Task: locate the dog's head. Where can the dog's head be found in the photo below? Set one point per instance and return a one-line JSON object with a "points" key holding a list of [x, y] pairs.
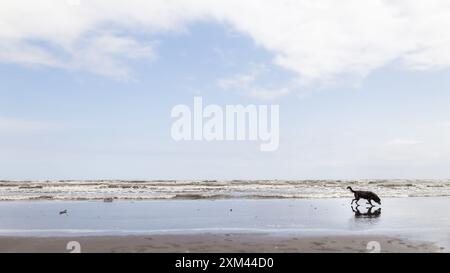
{"points": [[377, 200]]}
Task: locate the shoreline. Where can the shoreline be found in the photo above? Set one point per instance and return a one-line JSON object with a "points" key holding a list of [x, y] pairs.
{"points": [[217, 243]]}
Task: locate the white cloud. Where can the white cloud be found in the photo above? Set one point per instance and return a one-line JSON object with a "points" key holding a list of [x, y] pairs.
{"points": [[426, 144], [249, 84], [319, 40], [403, 141], [26, 54], [107, 55], [14, 126]]}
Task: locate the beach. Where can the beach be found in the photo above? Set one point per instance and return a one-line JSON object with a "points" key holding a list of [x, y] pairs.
{"points": [[408, 224], [215, 243]]}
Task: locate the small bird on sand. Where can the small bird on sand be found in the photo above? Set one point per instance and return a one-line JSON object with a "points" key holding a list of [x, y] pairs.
{"points": [[63, 212]]}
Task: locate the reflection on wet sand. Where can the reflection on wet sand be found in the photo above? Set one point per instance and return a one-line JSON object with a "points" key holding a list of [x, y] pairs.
{"points": [[365, 218], [368, 214]]}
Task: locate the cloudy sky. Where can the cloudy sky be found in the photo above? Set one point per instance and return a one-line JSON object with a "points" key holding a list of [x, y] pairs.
{"points": [[86, 87]]}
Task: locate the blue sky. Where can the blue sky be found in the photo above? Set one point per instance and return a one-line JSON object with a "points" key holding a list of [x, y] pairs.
{"points": [[91, 100]]}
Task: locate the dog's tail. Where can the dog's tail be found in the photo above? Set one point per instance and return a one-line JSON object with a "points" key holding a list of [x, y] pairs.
{"points": [[350, 188]]}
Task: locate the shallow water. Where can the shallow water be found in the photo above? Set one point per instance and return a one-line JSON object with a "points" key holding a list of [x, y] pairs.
{"points": [[414, 218]]}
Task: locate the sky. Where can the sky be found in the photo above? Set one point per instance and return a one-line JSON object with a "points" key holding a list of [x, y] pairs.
{"points": [[87, 87]]}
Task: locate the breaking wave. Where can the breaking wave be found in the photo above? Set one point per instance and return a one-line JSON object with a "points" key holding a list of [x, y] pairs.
{"points": [[214, 189]]}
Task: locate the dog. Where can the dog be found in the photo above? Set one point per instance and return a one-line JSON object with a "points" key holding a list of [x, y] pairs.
{"points": [[368, 195]]}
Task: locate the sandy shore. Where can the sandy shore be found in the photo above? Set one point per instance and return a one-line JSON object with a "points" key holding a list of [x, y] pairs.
{"points": [[280, 225], [213, 243]]}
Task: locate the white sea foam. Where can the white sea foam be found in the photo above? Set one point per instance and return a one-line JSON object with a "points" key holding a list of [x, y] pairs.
{"points": [[238, 189]]}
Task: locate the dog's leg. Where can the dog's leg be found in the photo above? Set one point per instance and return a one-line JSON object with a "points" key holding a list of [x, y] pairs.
{"points": [[370, 202]]}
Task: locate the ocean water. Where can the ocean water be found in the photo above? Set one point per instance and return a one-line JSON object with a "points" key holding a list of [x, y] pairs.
{"points": [[236, 189]]}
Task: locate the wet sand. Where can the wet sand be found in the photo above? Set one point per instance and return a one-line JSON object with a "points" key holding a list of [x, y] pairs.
{"points": [[277, 225], [216, 243]]}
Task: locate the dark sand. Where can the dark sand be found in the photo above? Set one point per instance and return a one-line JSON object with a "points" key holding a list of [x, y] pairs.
{"points": [[218, 243]]}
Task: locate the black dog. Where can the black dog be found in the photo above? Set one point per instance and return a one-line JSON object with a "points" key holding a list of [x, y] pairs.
{"points": [[368, 195]]}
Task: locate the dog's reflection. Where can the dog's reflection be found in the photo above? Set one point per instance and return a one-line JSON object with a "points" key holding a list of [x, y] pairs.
{"points": [[368, 214]]}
